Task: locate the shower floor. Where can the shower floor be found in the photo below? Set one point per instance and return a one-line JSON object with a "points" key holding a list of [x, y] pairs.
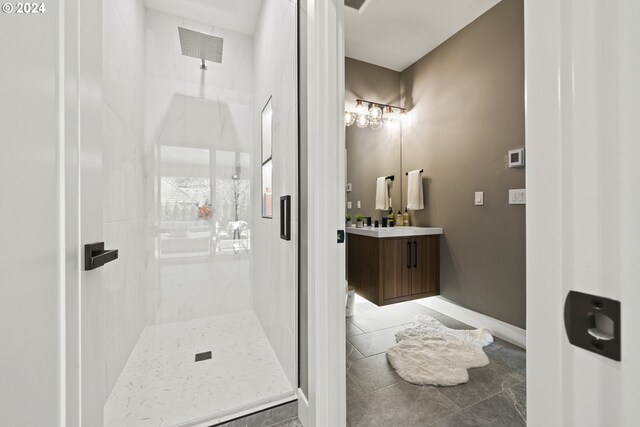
{"points": [[163, 385]]}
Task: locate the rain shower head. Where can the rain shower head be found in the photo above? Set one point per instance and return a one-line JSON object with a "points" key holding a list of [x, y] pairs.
{"points": [[199, 45]]}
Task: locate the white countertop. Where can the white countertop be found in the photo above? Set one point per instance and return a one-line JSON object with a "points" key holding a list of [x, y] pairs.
{"points": [[381, 232]]}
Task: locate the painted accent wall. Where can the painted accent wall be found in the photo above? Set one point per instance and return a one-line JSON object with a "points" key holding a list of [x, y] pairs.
{"points": [[466, 111]]}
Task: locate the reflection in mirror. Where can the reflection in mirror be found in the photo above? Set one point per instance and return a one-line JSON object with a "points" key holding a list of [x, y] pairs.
{"points": [[185, 202]]}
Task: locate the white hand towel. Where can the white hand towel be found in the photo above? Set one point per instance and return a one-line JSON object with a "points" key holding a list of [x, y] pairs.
{"points": [[415, 195], [382, 194]]}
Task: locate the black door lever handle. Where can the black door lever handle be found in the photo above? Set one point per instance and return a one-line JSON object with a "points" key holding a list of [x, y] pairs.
{"points": [[95, 256]]}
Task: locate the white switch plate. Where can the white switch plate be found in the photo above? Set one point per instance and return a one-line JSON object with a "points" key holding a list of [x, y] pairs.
{"points": [[358, 204], [479, 199], [348, 205], [348, 187], [518, 196]]}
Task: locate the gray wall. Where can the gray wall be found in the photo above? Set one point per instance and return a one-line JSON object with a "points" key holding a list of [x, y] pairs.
{"points": [[372, 152], [466, 102]]}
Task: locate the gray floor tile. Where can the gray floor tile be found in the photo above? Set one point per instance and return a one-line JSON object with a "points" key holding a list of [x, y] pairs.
{"points": [[373, 373], [352, 329], [496, 411], [294, 422], [267, 418], [352, 354], [353, 389], [452, 323], [510, 356], [376, 342], [519, 396], [389, 316], [402, 404], [483, 383]]}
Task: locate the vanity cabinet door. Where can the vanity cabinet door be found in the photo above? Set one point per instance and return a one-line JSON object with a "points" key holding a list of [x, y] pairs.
{"points": [[425, 263], [398, 268]]}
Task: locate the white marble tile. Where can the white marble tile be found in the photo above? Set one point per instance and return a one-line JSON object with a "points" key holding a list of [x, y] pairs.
{"points": [[162, 385]]}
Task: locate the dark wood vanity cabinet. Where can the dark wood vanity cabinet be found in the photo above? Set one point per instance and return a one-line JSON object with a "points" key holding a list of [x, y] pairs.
{"points": [[390, 270]]}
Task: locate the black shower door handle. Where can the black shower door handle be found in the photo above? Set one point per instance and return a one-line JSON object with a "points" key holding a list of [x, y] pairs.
{"points": [[285, 217]]}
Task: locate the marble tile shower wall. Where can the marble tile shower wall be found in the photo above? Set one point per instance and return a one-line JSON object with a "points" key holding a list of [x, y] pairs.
{"points": [[187, 108], [275, 269], [114, 314]]}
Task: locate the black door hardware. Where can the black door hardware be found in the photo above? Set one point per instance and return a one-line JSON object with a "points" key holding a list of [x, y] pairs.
{"points": [[95, 256], [340, 236], [593, 323], [285, 217]]}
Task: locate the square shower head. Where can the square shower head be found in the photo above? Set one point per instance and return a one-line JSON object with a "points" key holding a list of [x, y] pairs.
{"points": [[200, 45]]}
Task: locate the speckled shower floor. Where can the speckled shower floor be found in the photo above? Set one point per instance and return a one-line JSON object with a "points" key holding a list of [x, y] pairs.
{"points": [[163, 385]]}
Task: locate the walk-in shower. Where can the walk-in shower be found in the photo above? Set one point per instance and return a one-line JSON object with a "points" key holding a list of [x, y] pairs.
{"points": [[196, 322]]}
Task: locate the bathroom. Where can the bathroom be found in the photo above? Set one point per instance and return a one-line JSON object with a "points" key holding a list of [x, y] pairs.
{"points": [[434, 106], [187, 187]]}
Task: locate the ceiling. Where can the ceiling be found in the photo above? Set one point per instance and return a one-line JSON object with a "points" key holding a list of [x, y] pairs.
{"points": [[236, 15], [395, 34]]}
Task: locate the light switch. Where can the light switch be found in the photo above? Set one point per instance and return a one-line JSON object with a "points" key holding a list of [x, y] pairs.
{"points": [[358, 204], [348, 205], [479, 198], [518, 196], [348, 187]]}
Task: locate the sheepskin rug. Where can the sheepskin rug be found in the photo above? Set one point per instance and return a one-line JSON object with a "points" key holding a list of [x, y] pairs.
{"points": [[430, 353]]}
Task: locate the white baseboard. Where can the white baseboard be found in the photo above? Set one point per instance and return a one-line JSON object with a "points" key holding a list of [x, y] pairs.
{"points": [[498, 328], [303, 408]]}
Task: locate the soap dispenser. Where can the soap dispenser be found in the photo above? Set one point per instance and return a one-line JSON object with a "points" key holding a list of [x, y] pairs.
{"points": [[405, 217], [399, 219]]}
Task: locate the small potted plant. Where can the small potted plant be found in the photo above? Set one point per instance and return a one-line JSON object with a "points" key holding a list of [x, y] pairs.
{"points": [[347, 220], [359, 219]]}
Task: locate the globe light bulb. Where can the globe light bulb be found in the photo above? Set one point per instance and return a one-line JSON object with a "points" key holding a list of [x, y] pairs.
{"points": [[375, 112], [362, 121], [376, 124], [361, 109], [390, 114], [349, 118]]}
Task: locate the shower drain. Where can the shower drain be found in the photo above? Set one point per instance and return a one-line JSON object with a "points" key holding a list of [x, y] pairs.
{"points": [[203, 356]]}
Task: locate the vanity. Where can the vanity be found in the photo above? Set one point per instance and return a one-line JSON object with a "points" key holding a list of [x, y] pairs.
{"points": [[394, 264]]}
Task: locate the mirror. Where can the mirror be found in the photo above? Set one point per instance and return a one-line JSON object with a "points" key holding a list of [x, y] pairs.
{"points": [[371, 152]]}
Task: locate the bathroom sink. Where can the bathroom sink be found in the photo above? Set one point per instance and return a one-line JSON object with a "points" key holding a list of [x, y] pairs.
{"points": [[395, 231]]}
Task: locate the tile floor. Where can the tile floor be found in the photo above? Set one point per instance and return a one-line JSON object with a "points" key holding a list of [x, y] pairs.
{"points": [[376, 396], [163, 385]]}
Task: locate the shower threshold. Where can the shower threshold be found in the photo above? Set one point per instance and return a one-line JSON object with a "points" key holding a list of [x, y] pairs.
{"points": [[162, 384]]}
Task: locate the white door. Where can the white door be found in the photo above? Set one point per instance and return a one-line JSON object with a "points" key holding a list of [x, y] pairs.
{"points": [[583, 212]]}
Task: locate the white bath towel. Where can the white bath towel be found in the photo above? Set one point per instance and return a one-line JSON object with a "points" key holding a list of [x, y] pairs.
{"points": [[415, 195], [382, 194]]}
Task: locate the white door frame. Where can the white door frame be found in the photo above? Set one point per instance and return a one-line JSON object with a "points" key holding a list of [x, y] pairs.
{"points": [[582, 59], [325, 88]]}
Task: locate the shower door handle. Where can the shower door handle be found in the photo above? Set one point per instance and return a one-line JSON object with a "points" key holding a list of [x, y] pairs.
{"points": [[96, 256], [285, 217]]}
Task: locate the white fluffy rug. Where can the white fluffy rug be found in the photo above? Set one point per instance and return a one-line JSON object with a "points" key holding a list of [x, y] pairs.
{"points": [[431, 353]]}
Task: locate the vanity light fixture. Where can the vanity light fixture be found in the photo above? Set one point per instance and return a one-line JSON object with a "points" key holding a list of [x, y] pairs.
{"points": [[375, 116]]}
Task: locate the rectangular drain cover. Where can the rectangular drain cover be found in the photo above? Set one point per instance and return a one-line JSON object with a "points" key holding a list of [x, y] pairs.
{"points": [[203, 356]]}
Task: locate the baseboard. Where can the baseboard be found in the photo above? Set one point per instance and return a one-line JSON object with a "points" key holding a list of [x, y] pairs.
{"points": [[498, 328], [303, 408]]}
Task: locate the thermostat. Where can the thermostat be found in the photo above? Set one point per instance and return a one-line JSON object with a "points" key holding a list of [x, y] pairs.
{"points": [[516, 158]]}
